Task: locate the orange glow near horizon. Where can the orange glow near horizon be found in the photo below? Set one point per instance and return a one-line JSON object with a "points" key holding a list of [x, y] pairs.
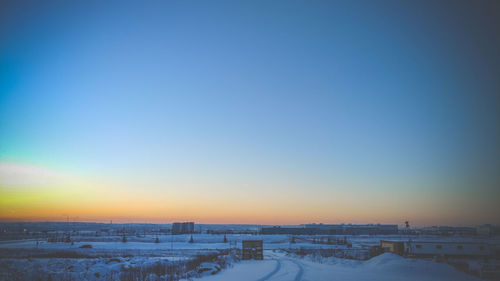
{"points": [[33, 194]]}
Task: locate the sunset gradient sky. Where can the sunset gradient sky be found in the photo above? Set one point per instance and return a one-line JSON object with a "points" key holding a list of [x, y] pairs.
{"points": [[269, 112]]}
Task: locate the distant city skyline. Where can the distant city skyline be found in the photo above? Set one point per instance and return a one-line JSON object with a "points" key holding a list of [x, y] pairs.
{"points": [[250, 112]]}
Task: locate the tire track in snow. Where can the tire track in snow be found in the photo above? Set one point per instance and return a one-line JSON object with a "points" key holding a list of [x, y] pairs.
{"points": [[298, 277], [276, 269]]}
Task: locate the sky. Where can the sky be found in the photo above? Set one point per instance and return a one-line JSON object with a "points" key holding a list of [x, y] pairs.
{"points": [[267, 112]]}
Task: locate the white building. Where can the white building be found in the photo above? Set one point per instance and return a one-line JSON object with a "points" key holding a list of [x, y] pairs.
{"points": [[440, 248], [488, 230]]}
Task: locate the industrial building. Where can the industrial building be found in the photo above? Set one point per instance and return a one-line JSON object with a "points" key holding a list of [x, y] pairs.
{"points": [[449, 230], [292, 230], [334, 229], [488, 230], [182, 227], [440, 248]]}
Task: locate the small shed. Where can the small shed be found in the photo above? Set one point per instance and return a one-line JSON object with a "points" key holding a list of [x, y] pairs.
{"points": [[252, 250], [397, 247]]}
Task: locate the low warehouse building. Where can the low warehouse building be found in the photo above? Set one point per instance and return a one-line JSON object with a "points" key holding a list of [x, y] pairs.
{"points": [[440, 248], [292, 230], [334, 229]]}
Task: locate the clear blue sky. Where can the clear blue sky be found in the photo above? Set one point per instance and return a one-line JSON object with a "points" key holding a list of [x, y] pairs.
{"points": [[389, 108]]}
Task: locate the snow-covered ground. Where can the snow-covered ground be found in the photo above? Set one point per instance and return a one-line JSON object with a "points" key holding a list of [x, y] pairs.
{"points": [[109, 257], [76, 269], [211, 241], [278, 266]]}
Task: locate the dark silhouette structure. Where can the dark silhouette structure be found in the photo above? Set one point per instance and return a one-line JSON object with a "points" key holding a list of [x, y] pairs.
{"points": [[252, 250]]}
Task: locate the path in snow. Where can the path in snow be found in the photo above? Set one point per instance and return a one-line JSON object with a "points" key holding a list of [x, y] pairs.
{"points": [[289, 269], [276, 269], [298, 277], [387, 267], [246, 271]]}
